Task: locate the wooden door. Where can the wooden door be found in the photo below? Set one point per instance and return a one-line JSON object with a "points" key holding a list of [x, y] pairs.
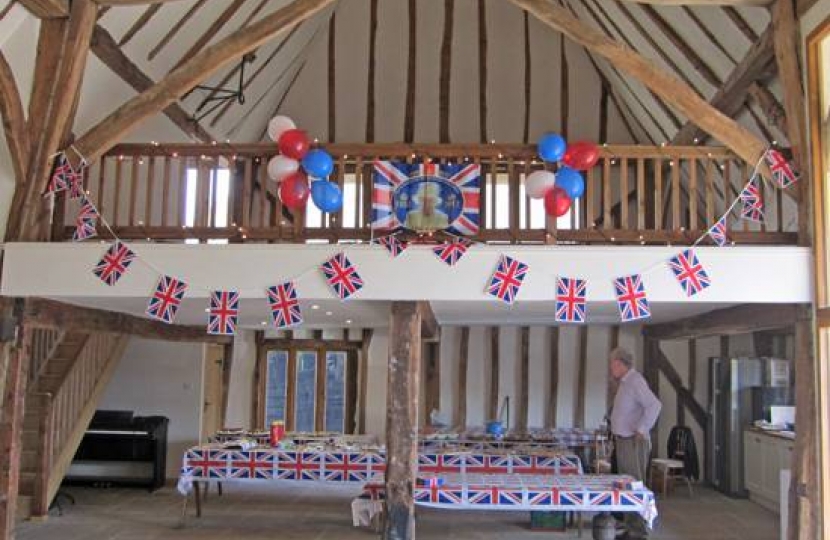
{"points": [[212, 390]]}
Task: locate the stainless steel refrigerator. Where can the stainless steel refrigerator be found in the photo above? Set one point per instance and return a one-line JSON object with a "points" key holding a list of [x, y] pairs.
{"points": [[742, 391]]}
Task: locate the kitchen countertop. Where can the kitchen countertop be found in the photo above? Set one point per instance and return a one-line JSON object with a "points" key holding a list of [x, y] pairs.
{"points": [[786, 435]]}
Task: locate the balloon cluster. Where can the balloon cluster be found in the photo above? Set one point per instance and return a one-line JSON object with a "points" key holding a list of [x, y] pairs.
{"points": [[561, 189], [296, 164]]}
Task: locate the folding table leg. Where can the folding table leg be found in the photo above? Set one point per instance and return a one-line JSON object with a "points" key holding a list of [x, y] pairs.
{"points": [[198, 497]]}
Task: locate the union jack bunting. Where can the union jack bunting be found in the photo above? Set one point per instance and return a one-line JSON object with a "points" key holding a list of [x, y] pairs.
{"points": [[782, 171], [76, 185], [114, 263], [60, 176], [752, 201], [342, 276], [717, 232], [224, 312], [393, 245], [284, 305], [689, 272], [452, 251], [570, 300], [84, 228], [167, 298], [631, 298], [507, 279], [394, 183]]}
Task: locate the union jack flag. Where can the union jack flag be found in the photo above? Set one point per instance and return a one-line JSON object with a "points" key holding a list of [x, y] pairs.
{"points": [[343, 467], [76, 185], [224, 312], [299, 465], [452, 251], [114, 263], [61, 176], [207, 463], [435, 494], [689, 272], [631, 298], [285, 307], [84, 228], [440, 463], [483, 495], [752, 201], [782, 172], [717, 232], [570, 300], [342, 276], [510, 497], [507, 279], [393, 245], [252, 464], [167, 298], [389, 176]]}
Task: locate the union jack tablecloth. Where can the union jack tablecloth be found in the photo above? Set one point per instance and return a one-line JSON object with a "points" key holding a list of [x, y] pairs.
{"points": [[587, 493], [212, 462]]}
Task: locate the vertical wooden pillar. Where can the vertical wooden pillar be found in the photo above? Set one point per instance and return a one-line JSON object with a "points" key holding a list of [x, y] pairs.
{"points": [[805, 484], [402, 419], [493, 402], [651, 349], [581, 376], [524, 373], [553, 398], [363, 383], [432, 378], [460, 416], [611, 389], [11, 422]]}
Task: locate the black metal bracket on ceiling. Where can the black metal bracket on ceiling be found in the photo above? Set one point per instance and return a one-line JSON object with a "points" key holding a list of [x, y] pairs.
{"points": [[218, 95]]}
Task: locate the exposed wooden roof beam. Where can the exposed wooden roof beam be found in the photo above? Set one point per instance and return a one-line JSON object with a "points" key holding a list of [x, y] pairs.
{"points": [[47, 9], [105, 48], [702, 2], [768, 103], [208, 61], [14, 120], [139, 24]]}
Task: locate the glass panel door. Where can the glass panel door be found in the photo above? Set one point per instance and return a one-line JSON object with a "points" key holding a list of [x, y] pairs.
{"points": [[306, 390], [276, 386], [335, 390]]}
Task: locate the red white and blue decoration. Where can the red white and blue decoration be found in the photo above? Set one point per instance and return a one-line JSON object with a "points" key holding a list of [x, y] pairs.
{"points": [[631, 298], [507, 279], [166, 299], [689, 272], [394, 245], [783, 173], [284, 305], [114, 264], [752, 201], [342, 276], [451, 252], [86, 221], [61, 176], [718, 233], [224, 313], [570, 300], [426, 197]]}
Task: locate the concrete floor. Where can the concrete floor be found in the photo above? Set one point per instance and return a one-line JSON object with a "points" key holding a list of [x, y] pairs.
{"points": [[254, 511]]}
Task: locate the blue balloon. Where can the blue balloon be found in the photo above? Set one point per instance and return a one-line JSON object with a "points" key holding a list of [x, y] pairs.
{"points": [[551, 147], [326, 195], [318, 163], [571, 181]]}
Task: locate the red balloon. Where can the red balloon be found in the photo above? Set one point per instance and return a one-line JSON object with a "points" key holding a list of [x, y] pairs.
{"points": [[581, 155], [294, 190], [293, 143], [557, 202]]}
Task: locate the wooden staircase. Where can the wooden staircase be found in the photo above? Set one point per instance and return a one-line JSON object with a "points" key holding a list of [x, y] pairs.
{"points": [[68, 373]]}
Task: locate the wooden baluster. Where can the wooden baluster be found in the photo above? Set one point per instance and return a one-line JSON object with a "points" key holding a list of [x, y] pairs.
{"points": [[525, 172], [165, 190], [779, 210], [101, 200], [494, 184], [135, 172], [744, 180], [263, 193], [658, 194], [181, 193], [710, 193], [150, 192], [624, 193], [482, 199], [693, 194], [247, 189], [590, 196], [513, 191], [607, 222], [363, 177], [116, 204], [677, 220], [203, 195], [213, 197], [641, 195]]}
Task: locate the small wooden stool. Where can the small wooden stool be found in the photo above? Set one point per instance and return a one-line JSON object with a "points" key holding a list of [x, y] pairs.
{"points": [[669, 469]]}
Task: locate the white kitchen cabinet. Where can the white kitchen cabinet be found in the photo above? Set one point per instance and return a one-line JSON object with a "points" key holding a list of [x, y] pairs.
{"points": [[765, 455]]}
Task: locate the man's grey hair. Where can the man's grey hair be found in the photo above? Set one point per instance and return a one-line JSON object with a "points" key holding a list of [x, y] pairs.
{"points": [[623, 356]]}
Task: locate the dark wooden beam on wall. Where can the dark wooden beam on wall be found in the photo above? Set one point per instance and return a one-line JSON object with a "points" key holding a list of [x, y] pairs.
{"points": [[581, 376], [741, 319], [210, 33], [363, 383], [445, 73], [166, 38], [528, 78], [553, 397], [402, 420], [47, 9], [14, 120], [432, 378], [651, 373], [227, 368], [370, 87], [771, 107], [495, 358], [142, 21], [564, 85], [258, 383], [430, 329], [684, 396], [411, 67], [460, 415], [611, 388], [523, 401], [482, 71], [352, 374], [332, 78]]}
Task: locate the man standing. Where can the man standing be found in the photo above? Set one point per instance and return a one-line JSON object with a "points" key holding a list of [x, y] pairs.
{"points": [[634, 413]]}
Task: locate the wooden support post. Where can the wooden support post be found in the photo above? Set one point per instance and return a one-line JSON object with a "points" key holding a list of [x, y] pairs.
{"points": [[651, 349], [260, 373], [11, 420], [581, 376], [493, 400], [523, 402], [402, 419], [805, 518], [432, 378], [553, 398], [363, 384], [460, 416], [611, 389]]}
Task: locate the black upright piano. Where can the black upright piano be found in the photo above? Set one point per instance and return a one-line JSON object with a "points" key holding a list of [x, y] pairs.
{"points": [[119, 448]]}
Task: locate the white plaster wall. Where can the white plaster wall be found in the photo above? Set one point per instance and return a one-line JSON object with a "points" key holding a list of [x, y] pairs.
{"points": [[161, 378], [241, 380]]}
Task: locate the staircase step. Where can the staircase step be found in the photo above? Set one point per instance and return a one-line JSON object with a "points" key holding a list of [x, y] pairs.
{"points": [[27, 483], [29, 460], [30, 437]]}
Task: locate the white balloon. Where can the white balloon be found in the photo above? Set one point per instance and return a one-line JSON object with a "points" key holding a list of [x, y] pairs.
{"points": [[281, 166], [538, 183], [278, 125]]}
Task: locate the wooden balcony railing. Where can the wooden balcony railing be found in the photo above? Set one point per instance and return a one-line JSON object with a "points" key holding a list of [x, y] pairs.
{"points": [[173, 192]]}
